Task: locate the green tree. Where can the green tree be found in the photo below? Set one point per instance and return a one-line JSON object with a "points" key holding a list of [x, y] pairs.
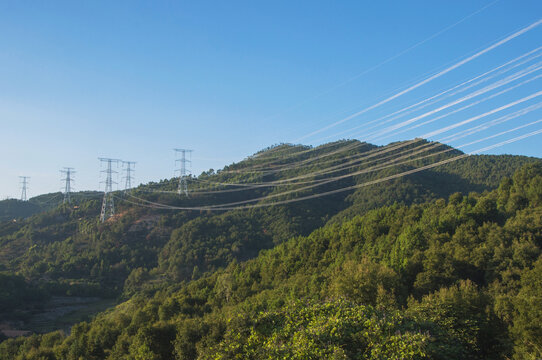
{"points": [[528, 322]]}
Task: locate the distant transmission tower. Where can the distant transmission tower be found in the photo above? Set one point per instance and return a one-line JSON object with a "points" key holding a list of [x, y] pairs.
{"points": [[67, 172], [24, 184], [108, 204], [183, 185], [129, 169]]}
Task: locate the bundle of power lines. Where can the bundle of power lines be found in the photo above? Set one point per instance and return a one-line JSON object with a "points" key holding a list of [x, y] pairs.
{"points": [[422, 116]]}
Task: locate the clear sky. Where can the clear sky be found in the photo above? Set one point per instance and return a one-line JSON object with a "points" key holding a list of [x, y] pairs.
{"points": [[135, 79]]}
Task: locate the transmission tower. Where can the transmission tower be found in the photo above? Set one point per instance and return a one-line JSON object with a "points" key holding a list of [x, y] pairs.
{"points": [[183, 185], [67, 172], [108, 204], [24, 186], [128, 170]]}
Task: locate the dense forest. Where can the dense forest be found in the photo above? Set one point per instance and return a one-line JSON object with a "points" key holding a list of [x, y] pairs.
{"points": [[440, 264]]}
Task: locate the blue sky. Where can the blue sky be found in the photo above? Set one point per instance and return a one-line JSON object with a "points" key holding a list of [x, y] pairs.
{"points": [[135, 79]]}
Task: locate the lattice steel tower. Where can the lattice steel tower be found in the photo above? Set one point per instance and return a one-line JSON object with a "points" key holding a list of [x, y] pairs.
{"points": [[128, 170], [183, 185], [67, 172], [108, 204], [24, 185]]}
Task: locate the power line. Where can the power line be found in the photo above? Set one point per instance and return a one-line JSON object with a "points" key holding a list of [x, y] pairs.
{"points": [[475, 93], [393, 162], [496, 85], [370, 154], [474, 118], [425, 81], [67, 172], [382, 63], [359, 159], [527, 57], [24, 186], [488, 124], [444, 94], [183, 185], [506, 67], [108, 204], [375, 134], [379, 151], [229, 206]]}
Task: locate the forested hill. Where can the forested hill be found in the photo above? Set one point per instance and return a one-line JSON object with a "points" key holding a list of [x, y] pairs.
{"points": [[456, 277], [67, 250], [13, 209], [153, 242]]}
